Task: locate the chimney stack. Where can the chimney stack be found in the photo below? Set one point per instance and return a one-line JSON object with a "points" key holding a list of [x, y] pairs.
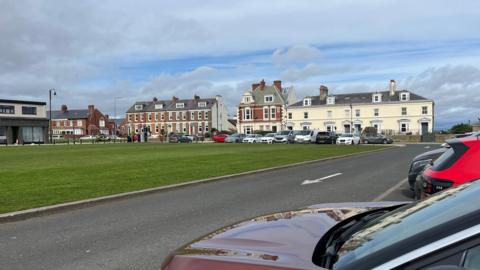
{"points": [[174, 99], [196, 97], [64, 108], [323, 92], [278, 84], [91, 109], [262, 85], [254, 86], [155, 99], [393, 87]]}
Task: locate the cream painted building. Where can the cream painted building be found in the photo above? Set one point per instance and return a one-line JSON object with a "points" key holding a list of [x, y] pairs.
{"points": [[391, 112]]}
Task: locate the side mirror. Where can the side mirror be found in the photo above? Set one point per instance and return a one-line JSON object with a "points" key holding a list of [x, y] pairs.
{"points": [[445, 145]]}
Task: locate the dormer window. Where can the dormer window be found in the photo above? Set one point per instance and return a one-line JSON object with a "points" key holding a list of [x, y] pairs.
{"points": [[330, 100], [404, 96], [247, 98], [180, 105], [307, 102], [202, 104], [158, 106], [269, 99], [377, 98], [138, 107]]}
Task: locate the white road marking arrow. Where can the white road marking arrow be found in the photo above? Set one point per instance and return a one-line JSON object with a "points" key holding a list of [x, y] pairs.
{"points": [[319, 180], [427, 147]]}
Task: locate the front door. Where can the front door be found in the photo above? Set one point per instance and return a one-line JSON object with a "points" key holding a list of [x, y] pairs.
{"points": [[274, 129], [346, 129], [424, 128]]}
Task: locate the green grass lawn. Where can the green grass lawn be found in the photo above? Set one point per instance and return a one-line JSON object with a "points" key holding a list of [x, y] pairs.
{"points": [[34, 176]]}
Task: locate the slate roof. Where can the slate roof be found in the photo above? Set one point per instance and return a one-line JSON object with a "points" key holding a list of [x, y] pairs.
{"points": [[356, 98], [69, 114], [279, 97], [170, 105]]}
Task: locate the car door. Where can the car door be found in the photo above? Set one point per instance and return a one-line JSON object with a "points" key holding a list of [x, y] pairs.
{"points": [[464, 254]]}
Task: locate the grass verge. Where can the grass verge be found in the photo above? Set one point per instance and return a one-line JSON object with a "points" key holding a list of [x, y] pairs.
{"points": [[34, 176]]}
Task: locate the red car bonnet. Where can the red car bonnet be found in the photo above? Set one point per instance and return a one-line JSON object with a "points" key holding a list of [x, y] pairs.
{"points": [[466, 168]]}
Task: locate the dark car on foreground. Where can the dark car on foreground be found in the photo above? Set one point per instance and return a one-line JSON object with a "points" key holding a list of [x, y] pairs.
{"points": [[459, 164], [327, 137], [377, 138], [442, 230], [418, 163]]}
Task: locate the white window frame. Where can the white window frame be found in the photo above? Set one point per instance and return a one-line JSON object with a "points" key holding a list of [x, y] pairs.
{"points": [[329, 114], [179, 105], [357, 113], [170, 116], [268, 99], [377, 98], [249, 114], [79, 123], [406, 127], [404, 111], [206, 115], [138, 107], [290, 115], [149, 117], [307, 102], [330, 100], [305, 115], [177, 115], [404, 96], [266, 113], [424, 110], [273, 113], [101, 123], [158, 106], [376, 112], [202, 104], [192, 115], [200, 116]]}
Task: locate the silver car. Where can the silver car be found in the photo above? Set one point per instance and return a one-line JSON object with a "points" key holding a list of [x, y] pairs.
{"points": [[286, 136]]}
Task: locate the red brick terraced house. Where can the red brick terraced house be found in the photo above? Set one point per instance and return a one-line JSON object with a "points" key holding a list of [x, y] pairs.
{"points": [[264, 107], [77, 123], [188, 116]]}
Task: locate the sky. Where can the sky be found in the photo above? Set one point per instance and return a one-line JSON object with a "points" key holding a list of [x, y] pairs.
{"points": [[116, 52]]}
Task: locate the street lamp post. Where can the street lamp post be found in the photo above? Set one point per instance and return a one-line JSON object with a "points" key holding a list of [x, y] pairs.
{"points": [[115, 118], [50, 91], [351, 118]]}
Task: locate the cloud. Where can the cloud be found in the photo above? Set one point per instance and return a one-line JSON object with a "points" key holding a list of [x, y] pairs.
{"points": [[296, 55], [454, 88]]}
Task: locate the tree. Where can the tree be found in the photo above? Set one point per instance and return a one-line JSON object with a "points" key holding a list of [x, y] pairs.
{"points": [[461, 128]]}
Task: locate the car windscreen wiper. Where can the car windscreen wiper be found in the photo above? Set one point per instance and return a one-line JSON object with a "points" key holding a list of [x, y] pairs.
{"points": [[342, 234]]}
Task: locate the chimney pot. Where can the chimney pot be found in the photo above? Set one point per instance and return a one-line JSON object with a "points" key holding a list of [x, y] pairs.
{"points": [[278, 84], [262, 84], [323, 92], [392, 87], [155, 99], [64, 108]]}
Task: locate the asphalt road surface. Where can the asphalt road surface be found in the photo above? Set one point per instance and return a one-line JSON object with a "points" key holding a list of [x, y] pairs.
{"points": [[137, 233]]}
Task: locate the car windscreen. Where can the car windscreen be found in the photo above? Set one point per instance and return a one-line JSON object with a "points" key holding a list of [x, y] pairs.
{"points": [[323, 133], [270, 135], [284, 133], [409, 221], [347, 135], [303, 132]]}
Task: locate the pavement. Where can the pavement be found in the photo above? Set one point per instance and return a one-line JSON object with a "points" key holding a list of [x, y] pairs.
{"points": [[138, 232]]}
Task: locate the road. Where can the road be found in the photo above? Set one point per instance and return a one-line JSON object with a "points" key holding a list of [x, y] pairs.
{"points": [[137, 233]]}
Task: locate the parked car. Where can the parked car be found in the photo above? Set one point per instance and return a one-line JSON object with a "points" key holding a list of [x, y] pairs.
{"points": [[442, 230], [220, 137], [302, 136], [458, 165], [235, 138], [328, 137], [418, 163], [173, 138], [285, 136], [103, 137], [377, 138], [348, 138], [268, 138], [185, 139], [252, 138], [55, 137], [88, 138]]}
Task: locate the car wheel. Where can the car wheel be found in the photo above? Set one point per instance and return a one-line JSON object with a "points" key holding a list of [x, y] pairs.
{"points": [[365, 142], [384, 141]]}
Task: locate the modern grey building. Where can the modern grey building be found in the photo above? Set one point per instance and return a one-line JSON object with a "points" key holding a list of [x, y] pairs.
{"points": [[23, 122]]}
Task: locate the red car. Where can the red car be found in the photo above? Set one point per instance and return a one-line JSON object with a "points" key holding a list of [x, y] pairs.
{"points": [[220, 137], [459, 164]]}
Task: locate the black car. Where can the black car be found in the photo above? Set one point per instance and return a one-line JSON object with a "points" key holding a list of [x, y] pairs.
{"points": [[419, 162], [377, 138], [327, 137], [185, 139]]}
